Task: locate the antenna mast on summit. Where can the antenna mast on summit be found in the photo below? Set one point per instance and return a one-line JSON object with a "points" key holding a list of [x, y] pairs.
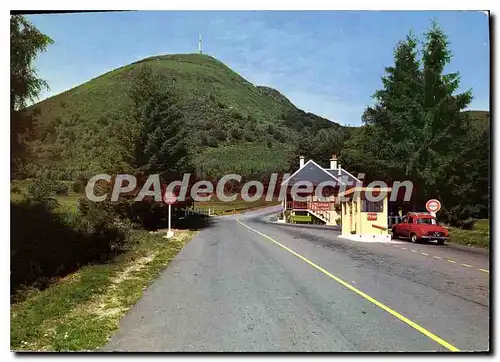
{"points": [[199, 45]]}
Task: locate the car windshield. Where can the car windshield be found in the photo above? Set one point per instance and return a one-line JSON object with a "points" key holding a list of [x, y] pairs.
{"points": [[427, 220]]}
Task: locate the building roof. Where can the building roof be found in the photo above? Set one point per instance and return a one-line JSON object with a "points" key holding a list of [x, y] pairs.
{"points": [[316, 174], [345, 176]]}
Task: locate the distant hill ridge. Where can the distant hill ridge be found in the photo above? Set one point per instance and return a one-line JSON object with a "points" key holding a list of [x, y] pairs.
{"points": [[231, 125], [78, 130]]}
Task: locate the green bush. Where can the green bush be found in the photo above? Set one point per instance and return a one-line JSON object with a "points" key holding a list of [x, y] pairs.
{"points": [[79, 185], [61, 189], [147, 214], [14, 189], [467, 224], [42, 193], [236, 115], [461, 216], [220, 135], [236, 133], [46, 245]]}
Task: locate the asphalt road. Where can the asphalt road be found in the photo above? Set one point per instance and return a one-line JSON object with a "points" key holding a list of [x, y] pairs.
{"points": [[251, 285]]}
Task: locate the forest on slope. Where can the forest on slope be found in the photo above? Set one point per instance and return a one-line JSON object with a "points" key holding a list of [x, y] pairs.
{"points": [[83, 131], [192, 113]]}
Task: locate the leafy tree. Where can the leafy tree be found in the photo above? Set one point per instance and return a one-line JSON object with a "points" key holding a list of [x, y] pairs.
{"points": [[320, 145], [25, 44], [417, 127], [444, 125], [42, 193], [26, 41], [469, 182], [236, 133], [156, 125], [327, 141], [388, 137]]}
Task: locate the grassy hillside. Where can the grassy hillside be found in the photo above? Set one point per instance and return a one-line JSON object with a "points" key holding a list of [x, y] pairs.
{"points": [[82, 130], [230, 125]]}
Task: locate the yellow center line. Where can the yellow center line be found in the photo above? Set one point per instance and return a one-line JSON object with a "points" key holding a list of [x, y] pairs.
{"points": [[440, 258], [399, 316]]}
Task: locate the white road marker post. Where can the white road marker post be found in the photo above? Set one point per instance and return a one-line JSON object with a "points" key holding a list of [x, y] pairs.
{"points": [[169, 199], [170, 233]]}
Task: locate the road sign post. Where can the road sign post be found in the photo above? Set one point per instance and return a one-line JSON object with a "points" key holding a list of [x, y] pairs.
{"points": [[169, 199], [433, 206]]}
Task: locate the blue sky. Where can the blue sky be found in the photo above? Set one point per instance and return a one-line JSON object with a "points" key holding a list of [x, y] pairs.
{"points": [[327, 62]]}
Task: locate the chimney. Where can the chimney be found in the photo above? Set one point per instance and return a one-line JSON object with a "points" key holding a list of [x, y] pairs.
{"points": [[301, 162], [333, 162]]}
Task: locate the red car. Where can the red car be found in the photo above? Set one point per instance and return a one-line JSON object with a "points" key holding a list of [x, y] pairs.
{"points": [[419, 227]]}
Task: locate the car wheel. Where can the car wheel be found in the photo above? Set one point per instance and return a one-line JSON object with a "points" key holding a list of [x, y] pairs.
{"points": [[393, 234], [414, 238]]}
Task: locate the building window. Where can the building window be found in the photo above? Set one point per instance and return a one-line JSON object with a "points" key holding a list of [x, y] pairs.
{"points": [[372, 206]]}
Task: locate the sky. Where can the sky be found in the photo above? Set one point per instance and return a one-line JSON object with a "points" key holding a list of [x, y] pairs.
{"points": [[326, 62]]}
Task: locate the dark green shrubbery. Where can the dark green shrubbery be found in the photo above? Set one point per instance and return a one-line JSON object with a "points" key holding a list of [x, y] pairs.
{"points": [[461, 216], [61, 189], [468, 224], [148, 214], [14, 189], [41, 194], [79, 185], [47, 244]]}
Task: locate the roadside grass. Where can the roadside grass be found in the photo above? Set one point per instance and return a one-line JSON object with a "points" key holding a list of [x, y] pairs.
{"points": [[81, 311], [479, 236], [233, 207], [68, 203]]}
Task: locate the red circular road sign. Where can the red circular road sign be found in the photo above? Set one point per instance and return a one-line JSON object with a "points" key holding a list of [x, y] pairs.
{"points": [[433, 205], [169, 198]]}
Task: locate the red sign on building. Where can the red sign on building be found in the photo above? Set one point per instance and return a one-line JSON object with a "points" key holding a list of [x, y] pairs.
{"points": [[322, 205], [371, 216]]}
